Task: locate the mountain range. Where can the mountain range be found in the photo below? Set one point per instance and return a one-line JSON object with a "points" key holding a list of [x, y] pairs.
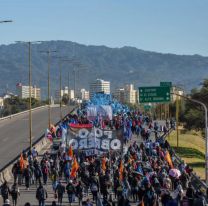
{"points": [[118, 65]]}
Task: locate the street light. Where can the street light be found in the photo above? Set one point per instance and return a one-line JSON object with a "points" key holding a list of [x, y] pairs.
{"points": [[61, 61], [48, 52], [6, 21], [30, 87], [79, 68], [206, 131]]}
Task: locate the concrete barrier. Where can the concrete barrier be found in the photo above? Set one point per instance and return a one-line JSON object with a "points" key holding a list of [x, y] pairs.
{"points": [[20, 113], [6, 171]]}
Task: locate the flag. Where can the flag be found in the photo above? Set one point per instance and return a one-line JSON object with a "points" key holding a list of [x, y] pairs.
{"points": [[75, 167], [142, 202], [70, 152], [22, 162], [169, 160], [121, 168], [104, 163]]}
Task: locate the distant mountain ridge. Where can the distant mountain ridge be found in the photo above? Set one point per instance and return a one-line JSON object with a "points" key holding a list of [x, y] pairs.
{"points": [[118, 65]]}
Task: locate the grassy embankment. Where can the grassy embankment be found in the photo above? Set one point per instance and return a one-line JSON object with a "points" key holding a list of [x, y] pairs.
{"points": [[191, 150]]}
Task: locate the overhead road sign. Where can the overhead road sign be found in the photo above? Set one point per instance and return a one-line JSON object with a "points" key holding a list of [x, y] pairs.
{"points": [[166, 84], [154, 94]]}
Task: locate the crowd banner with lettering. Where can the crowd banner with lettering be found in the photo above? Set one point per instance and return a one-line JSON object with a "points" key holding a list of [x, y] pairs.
{"points": [[95, 141], [104, 111]]}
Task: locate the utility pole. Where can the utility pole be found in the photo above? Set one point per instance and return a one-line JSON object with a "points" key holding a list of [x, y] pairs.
{"points": [[60, 79], [177, 114], [30, 102], [30, 87], [48, 52]]}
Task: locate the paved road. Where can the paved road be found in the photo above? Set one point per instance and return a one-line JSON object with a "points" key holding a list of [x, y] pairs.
{"points": [[14, 133]]}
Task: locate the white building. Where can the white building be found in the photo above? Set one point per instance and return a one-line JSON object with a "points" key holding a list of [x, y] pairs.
{"points": [[23, 91], [130, 94], [176, 90], [126, 95], [99, 86], [85, 95], [65, 90], [1, 102]]}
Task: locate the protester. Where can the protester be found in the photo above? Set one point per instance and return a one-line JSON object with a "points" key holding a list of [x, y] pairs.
{"points": [[15, 194], [60, 190], [41, 195], [5, 191], [144, 173]]}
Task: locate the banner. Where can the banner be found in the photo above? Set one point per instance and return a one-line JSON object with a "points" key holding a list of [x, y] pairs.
{"points": [[104, 111], [95, 141]]}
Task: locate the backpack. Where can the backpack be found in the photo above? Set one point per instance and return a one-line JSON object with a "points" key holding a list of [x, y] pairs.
{"points": [[14, 192], [4, 191], [41, 194], [70, 188], [38, 172], [60, 189]]}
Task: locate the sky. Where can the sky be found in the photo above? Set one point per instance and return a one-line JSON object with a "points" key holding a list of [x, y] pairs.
{"points": [[166, 26]]}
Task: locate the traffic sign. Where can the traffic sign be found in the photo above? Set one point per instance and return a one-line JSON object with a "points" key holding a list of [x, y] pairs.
{"points": [[154, 94], [166, 84], [147, 107]]}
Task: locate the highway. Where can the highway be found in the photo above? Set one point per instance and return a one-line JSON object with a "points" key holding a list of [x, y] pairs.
{"points": [[14, 133]]}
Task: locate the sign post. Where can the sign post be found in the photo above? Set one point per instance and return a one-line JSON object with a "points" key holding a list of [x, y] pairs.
{"points": [[154, 94]]}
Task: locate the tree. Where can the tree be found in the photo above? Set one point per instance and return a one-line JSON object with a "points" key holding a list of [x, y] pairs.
{"points": [[194, 114]]}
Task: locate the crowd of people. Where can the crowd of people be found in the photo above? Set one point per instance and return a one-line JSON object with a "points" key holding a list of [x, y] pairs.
{"points": [[145, 174]]}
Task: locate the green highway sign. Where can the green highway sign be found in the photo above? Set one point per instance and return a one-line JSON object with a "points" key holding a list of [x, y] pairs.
{"points": [[147, 107], [154, 94], [166, 84]]}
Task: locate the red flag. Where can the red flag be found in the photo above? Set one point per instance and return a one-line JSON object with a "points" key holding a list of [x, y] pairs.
{"points": [[22, 165], [104, 163], [169, 160], [121, 168], [75, 167], [70, 152]]}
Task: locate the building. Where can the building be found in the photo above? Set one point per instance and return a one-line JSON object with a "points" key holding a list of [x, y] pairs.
{"points": [[64, 91], [119, 94], [23, 91], [1, 102], [126, 95], [99, 86], [130, 94], [85, 95], [176, 90]]}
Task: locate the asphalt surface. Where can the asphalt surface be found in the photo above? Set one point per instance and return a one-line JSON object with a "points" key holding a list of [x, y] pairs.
{"points": [[14, 133]]}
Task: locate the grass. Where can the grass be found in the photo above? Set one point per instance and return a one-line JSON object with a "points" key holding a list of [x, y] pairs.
{"points": [[191, 149]]}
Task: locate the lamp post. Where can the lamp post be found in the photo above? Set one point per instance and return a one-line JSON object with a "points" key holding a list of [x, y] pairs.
{"points": [[79, 68], [206, 131], [48, 52], [6, 21], [30, 88], [61, 61]]}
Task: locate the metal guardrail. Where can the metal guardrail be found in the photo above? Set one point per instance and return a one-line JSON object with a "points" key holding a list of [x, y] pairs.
{"points": [[197, 183], [28, 148]]}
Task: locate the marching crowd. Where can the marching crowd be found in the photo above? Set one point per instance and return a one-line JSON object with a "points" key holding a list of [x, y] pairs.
{"points": [[145, 174]]}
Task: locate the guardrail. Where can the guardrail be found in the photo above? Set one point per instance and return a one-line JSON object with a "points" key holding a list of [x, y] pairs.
{"points": [[41, 138], [20, 113], [197, 183]]}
